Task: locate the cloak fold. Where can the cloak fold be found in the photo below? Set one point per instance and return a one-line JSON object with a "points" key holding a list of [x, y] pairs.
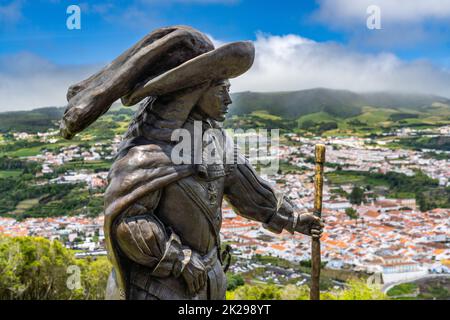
{"points": [[144, 169]]}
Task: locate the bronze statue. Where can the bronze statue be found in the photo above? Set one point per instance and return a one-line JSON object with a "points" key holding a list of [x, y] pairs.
{"points": [[162, 220]]}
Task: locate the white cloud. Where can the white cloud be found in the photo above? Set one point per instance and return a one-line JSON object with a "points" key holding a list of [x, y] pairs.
{"points": [[349, 12], [282, 63], [403, 23], [28, 81], [291, 62], [216, 42]]}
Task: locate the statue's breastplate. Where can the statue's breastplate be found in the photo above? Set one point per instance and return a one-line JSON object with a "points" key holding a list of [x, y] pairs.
{"points": [[181, 210]]}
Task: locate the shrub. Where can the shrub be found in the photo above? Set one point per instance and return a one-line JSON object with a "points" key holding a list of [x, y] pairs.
{"points": [[38, 269]]}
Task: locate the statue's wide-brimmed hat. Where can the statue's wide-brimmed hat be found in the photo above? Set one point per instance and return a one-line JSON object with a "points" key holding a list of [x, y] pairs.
{"points": [[165, 61], [228, 61]]}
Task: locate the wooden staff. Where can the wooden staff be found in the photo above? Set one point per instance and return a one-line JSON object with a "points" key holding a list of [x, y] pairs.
{"points": [[315, 245]]}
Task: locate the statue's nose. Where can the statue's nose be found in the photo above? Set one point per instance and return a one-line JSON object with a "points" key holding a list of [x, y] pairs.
{"points": [[227, 100]]}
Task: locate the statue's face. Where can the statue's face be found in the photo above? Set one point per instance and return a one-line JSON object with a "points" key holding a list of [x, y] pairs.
{"points": [[214, 102]]}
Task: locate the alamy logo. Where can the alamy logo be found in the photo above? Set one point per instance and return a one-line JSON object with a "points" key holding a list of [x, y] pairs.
{"points": [[73, 21], [74, 279], [373, 21], [213, 146]]}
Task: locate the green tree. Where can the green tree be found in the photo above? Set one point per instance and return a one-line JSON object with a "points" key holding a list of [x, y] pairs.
{"points": [[95, 273], [307, 124], [354, 290], [34, 268], [356, 196], [424, 204], [352, 214], [359, 290], [292, 292], [38, 269], [258, 292], [234, 281]]}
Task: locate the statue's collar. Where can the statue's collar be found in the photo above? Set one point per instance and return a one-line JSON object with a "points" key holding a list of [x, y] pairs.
{"points": [[197, 116]]}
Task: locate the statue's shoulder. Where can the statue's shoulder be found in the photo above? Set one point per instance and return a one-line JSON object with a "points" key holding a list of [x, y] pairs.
{"points": [[139, 145], [139, 154]]}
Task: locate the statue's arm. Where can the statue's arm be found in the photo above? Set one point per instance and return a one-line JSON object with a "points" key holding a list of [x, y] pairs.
{"points": [[144, 239], [253, 198]]}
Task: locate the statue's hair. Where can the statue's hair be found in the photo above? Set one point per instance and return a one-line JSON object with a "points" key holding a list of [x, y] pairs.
{"points": [[157, 117], [139, 118]]}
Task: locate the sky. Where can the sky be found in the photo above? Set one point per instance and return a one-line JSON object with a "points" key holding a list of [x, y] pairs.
{"points": [[363, 45]]}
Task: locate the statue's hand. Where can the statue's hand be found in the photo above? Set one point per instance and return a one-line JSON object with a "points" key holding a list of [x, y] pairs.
{"points": [[310, 225], [194, 274]]}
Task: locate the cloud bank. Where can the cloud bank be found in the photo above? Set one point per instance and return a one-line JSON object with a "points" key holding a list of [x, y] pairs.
{"points": [[28, 81], [348, 12], [292, 62], [403, 23], [282, 63]]}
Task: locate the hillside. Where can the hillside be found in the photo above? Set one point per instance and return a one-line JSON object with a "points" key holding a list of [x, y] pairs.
{"points": [[314, 110], [321, 110], [30, 121], [40, 119], [297, 103], [339, 103]]}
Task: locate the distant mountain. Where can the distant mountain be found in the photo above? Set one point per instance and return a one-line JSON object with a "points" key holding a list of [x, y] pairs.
{"points": [[40, 119], [30, 121], [288, 110], [338, 103], [418, 102]]}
